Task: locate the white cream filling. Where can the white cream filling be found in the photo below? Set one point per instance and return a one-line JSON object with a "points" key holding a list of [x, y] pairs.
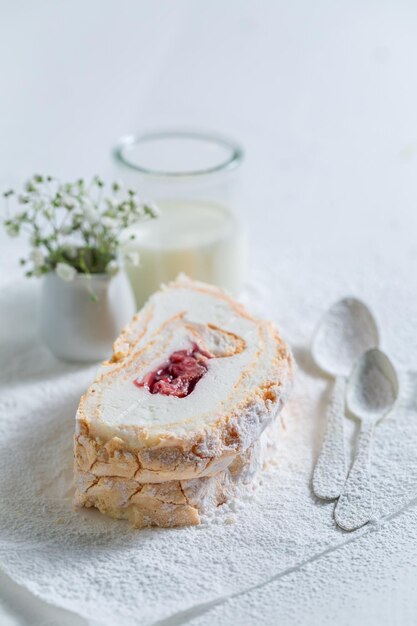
{"points": [[120, 404]]}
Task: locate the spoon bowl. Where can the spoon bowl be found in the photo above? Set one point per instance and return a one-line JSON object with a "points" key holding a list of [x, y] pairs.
{"points": [[372, 387], [346, 331]]}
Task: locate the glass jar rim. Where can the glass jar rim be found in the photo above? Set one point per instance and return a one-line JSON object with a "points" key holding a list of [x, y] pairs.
{"points": [[233, 160]]}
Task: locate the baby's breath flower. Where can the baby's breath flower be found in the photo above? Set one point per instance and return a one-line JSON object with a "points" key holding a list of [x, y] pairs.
{"points": [[151, 209], [109, 222], [79, 211], [112, 268], [68, 201], [12, 229], [66, 229], [73, 227], [111, 202], [38, 205], [91, 214], [37, 257], [65, 272], [30, 186], [98, 181], [35, 239], [138, 209]]}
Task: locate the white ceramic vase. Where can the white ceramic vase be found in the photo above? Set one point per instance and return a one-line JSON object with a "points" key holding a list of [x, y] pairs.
{"points": [[78, 327]]}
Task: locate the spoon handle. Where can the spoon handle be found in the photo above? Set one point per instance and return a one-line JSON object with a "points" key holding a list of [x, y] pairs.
{"points": [[354, 508], [330, 471]]}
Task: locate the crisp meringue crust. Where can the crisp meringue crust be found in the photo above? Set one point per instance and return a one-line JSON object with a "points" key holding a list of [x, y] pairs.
{"points": [[123, 431]]}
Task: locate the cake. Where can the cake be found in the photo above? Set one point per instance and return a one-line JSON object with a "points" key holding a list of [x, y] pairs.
{"points": [[176, 420]]}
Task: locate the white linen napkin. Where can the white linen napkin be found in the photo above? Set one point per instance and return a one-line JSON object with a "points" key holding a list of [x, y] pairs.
{"points": [[107, 572]]}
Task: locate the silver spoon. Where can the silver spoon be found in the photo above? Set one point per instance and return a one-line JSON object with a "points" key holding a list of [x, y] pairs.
{"points": [[371, 393], [346, 331]]}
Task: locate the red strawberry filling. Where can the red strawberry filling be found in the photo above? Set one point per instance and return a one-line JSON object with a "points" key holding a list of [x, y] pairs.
{"points": [[179, 375]]}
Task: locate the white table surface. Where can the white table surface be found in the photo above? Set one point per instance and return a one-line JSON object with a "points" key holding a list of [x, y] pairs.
{"points": [[324, 97]]}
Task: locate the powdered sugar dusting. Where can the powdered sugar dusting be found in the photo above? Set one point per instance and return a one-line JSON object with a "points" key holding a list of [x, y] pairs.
{"points": [[100, 568]]}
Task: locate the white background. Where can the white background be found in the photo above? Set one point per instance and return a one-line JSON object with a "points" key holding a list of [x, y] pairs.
{"points": [[323, 95]]}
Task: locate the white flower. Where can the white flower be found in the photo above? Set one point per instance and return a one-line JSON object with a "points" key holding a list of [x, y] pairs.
{"points": [[112, 268], [132, 258], [65, 271], [66, 230], [112, 202], [68, 202], [30, 186], [152, 209], [91, 214], [12, 230], [138, 211], [21, 215], [109, 222], [77, 215], [37, 257]]}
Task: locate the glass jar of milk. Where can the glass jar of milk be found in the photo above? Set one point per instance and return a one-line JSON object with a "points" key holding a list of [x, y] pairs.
{"points": [[191, 177]]}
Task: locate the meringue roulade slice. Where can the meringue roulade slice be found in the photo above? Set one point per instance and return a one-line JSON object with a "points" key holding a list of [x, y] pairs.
{"points": [[193, 382]]}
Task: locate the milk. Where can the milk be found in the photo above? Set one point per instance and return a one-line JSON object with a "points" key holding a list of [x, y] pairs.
{"points": [[202, 239]]}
